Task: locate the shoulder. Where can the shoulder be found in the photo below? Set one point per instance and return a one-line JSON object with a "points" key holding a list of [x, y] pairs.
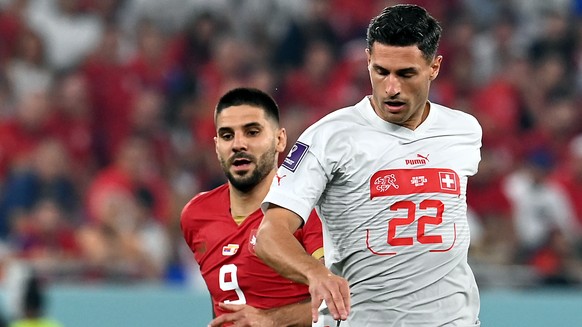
{"points": [[343, 122], [341, 118], [455, 114], [457, 119], [207, 200]]}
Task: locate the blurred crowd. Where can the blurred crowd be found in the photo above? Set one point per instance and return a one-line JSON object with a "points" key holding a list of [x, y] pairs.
{"points": [[106, 122]]}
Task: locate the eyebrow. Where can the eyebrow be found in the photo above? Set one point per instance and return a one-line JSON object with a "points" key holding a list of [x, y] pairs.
{"points": [[398, 71], [245, 126]]}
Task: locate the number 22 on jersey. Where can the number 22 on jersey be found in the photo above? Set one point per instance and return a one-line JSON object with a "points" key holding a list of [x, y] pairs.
{"points": [[397, 182]]}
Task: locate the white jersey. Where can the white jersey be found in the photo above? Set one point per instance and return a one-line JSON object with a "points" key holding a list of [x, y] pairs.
{"points": [[392, 202]]}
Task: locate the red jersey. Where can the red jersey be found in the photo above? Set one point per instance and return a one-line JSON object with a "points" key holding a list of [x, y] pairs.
{"points": [[225, 253]]}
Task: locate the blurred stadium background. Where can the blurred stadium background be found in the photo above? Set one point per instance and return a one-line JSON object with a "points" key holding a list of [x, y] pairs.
{"points": [[106, 131]]}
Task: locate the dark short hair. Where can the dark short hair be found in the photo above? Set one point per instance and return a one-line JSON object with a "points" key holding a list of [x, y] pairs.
{"points": [[405, 25], [249, 96]]}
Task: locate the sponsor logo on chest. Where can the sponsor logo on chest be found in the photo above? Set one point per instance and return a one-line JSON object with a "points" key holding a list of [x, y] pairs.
{"points": [[418, 160]]}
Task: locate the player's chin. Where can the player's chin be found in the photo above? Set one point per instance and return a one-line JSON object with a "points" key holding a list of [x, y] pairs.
{"points": [[242, 177], [241, 172], [243, 183]]}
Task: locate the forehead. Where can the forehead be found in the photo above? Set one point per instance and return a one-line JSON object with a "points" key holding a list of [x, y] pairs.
{"points": [[397, 57], [236, 116]]}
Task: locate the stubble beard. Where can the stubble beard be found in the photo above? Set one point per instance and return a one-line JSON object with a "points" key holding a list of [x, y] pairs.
{"points": [[247, 181]]}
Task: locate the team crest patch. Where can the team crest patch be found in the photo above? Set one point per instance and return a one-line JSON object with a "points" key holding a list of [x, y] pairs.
{"points": [[253, 241], [230, 250], [295, 156]]}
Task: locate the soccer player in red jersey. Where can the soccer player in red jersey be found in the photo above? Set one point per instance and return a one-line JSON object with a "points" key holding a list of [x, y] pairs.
{"points": [[220, 225]]}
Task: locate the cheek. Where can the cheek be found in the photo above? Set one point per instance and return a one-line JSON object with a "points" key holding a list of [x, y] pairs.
{"points": [[222, 150], [377, 82], [419, 87]]}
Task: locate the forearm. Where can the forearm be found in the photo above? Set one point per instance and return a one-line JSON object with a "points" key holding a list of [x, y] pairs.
{"points": [[278, 248], [296, 315], [292, 315]]}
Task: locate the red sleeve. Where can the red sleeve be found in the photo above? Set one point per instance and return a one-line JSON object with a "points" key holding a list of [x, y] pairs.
{"points": [[312, 237]]}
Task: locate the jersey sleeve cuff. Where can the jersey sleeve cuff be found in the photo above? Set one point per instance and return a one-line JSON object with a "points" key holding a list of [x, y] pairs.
{"points": [[287, 202]]}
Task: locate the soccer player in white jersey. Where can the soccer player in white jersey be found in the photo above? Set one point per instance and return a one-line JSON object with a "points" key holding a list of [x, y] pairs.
{"points": [[388, 178]]}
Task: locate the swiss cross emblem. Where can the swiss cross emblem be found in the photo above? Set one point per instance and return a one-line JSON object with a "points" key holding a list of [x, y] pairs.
{"points": [[448, 181]]}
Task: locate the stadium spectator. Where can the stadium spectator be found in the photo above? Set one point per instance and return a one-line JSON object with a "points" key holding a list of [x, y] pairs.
{"points": [[111, 92], [68, 33], [134, 167], [556, 261], [46, 238], [290, 51], [27, 70], [568, 174], [314, 86], [72, 123], [12, 24], [21, 132], [150, 64], [46, 175], [129, 242], [539, 206], [497, 241]]}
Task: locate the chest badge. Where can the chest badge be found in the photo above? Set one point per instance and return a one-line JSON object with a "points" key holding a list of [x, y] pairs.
{"points": [[252, 241], [230, 250]]}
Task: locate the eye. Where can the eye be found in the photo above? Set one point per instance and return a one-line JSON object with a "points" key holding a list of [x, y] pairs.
{"points": [[408, 73], [226, 136], [381, 72], [253, 132]]}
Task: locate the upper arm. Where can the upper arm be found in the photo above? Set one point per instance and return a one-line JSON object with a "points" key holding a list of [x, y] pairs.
{"points": [[281, 219]]}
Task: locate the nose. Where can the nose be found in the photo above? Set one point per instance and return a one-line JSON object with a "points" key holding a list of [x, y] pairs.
{"points": [[239, 143], [392, 85]]}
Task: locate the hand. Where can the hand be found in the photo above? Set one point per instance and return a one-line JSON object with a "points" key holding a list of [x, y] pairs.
{"points": [[334, 290], [242, 315]]}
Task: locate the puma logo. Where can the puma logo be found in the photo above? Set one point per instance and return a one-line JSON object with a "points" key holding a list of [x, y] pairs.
{"points": [[422, 161], [279, 178], [423, 157]]}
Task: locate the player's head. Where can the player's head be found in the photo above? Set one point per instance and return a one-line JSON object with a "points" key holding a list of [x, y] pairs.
{"points": [[401, 48], [405, 25], [248, 136]]}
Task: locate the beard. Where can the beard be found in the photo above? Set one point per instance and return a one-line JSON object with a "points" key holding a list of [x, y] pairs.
{"points": [[248, 180]]}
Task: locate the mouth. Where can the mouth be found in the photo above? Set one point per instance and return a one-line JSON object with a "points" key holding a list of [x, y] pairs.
{"points": [[241, 164], [394, 106]]}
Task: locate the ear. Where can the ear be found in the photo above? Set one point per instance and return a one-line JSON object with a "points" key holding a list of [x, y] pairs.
{"points": [[369, 57], [216, 145], [435, 67], [281, 140]]}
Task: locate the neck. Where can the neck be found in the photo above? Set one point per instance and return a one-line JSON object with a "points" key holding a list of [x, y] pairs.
{"points": [[425, 113], [243, 204], [413, 124]]}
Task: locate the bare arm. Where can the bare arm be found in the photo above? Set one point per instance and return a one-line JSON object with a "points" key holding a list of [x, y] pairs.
{"points": [[278, 248], [296, 315]]}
